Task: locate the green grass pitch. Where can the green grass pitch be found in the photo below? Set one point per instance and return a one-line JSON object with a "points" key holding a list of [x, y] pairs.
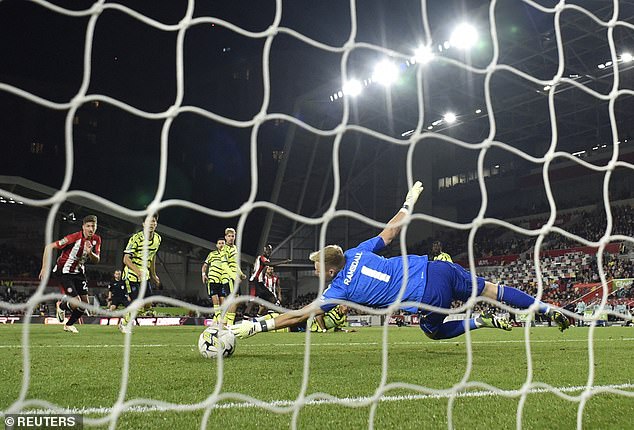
{"points": [[84, 372]]}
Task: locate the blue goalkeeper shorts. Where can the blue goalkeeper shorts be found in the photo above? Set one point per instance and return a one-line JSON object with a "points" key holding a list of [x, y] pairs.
{"points": [[446, 282]]}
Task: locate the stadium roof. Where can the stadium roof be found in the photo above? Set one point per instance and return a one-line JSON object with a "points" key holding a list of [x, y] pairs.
{"points": [[109, 218]]}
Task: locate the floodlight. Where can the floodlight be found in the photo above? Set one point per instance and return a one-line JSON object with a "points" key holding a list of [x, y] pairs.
{"points": [[423, 55], [601, 66], [449, 117], [385, 73], [626, 57], [478, 111], [352, 88], [464, 36]]}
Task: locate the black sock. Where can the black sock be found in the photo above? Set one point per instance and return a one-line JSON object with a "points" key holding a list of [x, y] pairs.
{"points": [[65, 306], [74, 316]]}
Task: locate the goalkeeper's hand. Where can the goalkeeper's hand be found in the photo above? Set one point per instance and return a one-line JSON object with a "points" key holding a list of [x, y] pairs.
{"points": [[412, 196], [245, 329]]}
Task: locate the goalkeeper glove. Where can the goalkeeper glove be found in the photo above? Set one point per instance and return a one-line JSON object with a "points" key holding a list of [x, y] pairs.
{"points": [[412, 196], [245, 329]]}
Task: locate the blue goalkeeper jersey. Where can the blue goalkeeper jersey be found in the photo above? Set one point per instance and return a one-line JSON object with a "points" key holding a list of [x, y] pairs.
{"points": [[374, 281]]}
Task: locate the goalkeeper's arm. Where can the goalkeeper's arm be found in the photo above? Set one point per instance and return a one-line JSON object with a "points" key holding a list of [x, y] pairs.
{"points": [[391, 230], [287, 319]]}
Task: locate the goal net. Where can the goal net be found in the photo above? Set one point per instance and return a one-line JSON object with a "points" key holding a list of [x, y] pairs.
{"points": [[344, 107]]}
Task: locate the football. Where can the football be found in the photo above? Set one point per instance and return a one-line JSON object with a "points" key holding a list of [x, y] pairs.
{"points": [[215, 341]]}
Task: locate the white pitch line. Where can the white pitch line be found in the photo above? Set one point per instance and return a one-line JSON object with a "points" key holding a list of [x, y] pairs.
{"points": [[259, 345], [347, 401]]}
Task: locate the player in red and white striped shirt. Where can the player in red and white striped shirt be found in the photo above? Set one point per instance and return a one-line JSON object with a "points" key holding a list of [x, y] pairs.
{"points": [[272, 282], [257, 277], [77, 248]]}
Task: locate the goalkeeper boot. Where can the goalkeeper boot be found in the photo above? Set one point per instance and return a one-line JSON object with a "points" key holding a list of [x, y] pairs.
{"points": [[490, 320], [59, 312], [561, 320]]}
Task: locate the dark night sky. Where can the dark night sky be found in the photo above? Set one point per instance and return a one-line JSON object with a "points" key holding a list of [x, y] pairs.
{"points": [[117, 153]]}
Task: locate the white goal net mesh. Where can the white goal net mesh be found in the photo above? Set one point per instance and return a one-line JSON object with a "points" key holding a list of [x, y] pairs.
{"points": [[420, 135]]}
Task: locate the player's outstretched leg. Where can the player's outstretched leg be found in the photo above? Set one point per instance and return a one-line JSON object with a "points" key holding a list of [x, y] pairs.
{"points": [[521, 300], [451, 329]]}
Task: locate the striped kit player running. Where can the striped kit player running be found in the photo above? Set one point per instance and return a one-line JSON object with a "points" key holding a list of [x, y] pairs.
{"points": [[77, 249], [258, 278]]}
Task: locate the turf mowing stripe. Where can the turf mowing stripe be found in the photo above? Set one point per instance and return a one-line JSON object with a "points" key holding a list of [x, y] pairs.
{"points": [[423, 342], [317, 402]]}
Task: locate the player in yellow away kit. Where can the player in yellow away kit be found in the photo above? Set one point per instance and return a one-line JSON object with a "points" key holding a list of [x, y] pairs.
{"points": [[231, 271], [212, 275], [136, 267]]}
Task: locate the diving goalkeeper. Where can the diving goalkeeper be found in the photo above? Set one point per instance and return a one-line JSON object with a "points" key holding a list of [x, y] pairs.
{"points": [[363, 277]]}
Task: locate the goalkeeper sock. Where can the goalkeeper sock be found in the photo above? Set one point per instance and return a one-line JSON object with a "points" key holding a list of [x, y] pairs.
{"points": [[452, 329], [230, 317], [519, 299]]}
